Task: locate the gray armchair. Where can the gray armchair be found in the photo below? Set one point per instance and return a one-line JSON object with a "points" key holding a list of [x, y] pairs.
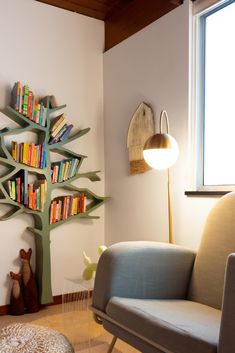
{"points": [[164, 298]]}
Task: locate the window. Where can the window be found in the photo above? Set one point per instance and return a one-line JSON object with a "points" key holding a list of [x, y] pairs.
{"points": [[215, 96]]}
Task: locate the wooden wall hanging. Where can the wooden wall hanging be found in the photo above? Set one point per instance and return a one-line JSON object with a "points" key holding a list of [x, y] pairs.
{"points": [[140, 129]]}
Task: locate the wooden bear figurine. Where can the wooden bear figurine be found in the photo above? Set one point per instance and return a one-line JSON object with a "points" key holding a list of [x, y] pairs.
{"points": [[29, 287], [16, 301]]}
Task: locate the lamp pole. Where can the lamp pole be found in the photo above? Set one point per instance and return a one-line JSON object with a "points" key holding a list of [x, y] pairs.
{"points": [[161, 152], [169, 206]]}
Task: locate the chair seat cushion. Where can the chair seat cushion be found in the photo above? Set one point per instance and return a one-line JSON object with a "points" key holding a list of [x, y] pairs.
{"points": [[26, 338], [180, 326]]}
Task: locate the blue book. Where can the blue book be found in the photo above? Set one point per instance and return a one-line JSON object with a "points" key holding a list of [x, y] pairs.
{"points": [[59, 134], [60, 171], [66, 133], [71, 168], [44, 158]]}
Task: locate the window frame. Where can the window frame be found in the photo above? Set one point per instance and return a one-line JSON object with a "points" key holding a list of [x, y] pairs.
{"points": [[198, 96]]}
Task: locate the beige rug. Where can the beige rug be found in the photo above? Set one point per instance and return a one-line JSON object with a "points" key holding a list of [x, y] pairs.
{"points": [[98, 346], [78, 325], [85, 335]]}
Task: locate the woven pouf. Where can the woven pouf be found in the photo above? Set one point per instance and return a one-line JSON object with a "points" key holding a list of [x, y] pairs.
{"points": [[27, 338]]}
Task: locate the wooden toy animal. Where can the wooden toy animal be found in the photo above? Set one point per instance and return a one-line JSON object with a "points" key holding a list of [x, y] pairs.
{"points": [[16, 301], [29, 286]]}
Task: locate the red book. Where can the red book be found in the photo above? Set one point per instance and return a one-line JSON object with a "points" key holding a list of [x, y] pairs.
{"points": [[82, 202], [39, 156], [32, 148], [33, 199], [18, 190], [54, 212], [29, 108], [30, 192], [79, 204], [64, 208]]}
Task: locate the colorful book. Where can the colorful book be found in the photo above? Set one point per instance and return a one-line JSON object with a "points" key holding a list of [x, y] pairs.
{"points": [[29, 107], [13, 189], [57, 122], [25, 99], [57, 130], [66, 132], [58, 135]]}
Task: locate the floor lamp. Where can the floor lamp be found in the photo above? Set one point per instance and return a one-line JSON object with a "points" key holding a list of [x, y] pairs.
{"points": [[161, 152]]}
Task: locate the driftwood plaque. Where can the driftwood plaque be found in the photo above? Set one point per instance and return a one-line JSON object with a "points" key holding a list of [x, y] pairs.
{"points": [[140, 129]]}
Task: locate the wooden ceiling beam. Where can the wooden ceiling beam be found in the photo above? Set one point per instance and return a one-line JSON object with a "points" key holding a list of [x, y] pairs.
{"points": [[134, 16]]}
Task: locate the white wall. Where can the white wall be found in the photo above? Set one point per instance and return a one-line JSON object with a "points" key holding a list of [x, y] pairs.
{"points": [[55, 52], [150, 66]]}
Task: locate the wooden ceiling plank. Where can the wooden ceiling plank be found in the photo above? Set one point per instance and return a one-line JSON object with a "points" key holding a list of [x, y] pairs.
{"points": [[75, 7], [133, 17]]}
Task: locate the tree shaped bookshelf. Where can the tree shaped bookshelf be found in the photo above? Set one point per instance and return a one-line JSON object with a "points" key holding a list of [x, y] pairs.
{"points": [[42, 226]]}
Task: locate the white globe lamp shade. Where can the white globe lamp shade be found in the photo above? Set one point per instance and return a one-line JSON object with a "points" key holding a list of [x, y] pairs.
{"points": [[161, 151]]}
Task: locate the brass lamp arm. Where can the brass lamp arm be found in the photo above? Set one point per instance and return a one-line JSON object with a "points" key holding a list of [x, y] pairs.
{"points": [[164, 115]]}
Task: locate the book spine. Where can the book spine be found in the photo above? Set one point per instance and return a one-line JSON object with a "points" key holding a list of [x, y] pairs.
{"points": [[25, 152], [29, 107], [25, 100], [13, 189], [20, 100], [18, 189], [59, 134], [35, 111], [59, 120], [66, 132], [25, 188], [30, 197]]}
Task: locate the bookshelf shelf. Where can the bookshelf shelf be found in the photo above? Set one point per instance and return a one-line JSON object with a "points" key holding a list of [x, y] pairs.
{"points": [[80, 133], [21, 120], [42, 226]]}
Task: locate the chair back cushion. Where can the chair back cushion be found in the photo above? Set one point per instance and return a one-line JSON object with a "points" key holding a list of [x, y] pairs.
{"points": [[218, 241]]}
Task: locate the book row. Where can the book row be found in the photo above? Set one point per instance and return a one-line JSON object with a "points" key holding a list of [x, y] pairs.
{"points": [[25, 102], [64, 170], [67, 206], [60, 129], [31, 195], [29, 153]]}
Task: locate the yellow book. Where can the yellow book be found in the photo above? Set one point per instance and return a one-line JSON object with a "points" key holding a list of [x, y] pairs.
{"points": [[63, 170], [25, 152], [42, 196], [34, 156], [76, 205], [13, 150], [73, 206]]}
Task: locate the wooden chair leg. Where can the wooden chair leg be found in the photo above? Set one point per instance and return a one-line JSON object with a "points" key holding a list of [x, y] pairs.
{"points": [[112, 344]]}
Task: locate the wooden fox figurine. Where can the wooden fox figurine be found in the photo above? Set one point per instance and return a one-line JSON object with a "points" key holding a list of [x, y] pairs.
{"points": [[29, 286], [16, 301]]}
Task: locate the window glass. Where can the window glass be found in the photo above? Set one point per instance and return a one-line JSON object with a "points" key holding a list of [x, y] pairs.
{"points": [[218, 88]]}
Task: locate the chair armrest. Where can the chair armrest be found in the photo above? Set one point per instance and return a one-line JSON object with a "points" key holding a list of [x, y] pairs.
{"points": [[227, 336], [141, 269]]}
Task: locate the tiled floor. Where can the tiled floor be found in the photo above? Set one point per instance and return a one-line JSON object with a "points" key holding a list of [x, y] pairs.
{"points": [[77, 324]]}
